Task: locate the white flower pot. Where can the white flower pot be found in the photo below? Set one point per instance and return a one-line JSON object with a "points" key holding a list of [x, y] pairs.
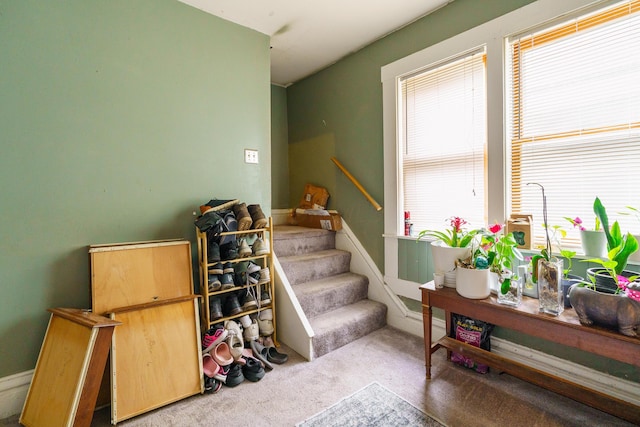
{"points": [[594, 243], [444, 260], [472, 283]]}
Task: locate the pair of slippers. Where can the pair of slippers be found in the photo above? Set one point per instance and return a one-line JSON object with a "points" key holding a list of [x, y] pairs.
{"points": [[271, 354]]}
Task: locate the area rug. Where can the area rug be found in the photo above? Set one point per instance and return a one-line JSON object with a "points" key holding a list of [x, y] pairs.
{"points": [[372, 405]]}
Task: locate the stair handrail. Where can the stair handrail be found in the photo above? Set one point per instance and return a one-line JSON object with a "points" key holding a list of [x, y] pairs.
{"points": [[357, 184]]}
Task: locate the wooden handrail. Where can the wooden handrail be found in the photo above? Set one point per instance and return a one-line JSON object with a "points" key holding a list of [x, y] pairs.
{"points": [[357, 184]]}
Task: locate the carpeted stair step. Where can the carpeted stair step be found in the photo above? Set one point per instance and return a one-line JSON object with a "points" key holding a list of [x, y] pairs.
{"points": [[315, 265], [329, 293], [292, 240], [339, 327]]}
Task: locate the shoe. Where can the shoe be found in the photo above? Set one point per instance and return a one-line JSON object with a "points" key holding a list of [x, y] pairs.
{"points": [[244, 250], [227, 281], [253, 370], [259, 220], [221, 376], [211, 385], [266, 327], [215, 308], [264, 276], [222, 354], [245, 321], [266, 314], [229, 225], [214, 283], [213, 337], [243, 216], [229, 251], [209, 222], [216, 268], [271, 354], [209, 366], [252, 267], [231, 305], [265, 298], [234, 339], [252, 332], [260, 247], [256, 353], [235, 375], [249, 301], [213, 251], [227, 267]]}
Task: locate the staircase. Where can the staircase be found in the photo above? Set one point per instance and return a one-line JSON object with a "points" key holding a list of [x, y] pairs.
{"points": [[333, 298]]}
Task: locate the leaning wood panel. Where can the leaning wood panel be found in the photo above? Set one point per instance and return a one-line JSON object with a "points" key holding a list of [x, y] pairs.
{"points": [[155, 357], [137, 273], [65, 383]]}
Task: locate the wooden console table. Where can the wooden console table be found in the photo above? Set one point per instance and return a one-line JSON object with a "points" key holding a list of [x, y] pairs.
{"points": [[564, 329]]}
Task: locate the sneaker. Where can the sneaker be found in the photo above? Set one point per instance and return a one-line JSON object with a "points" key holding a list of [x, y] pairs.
{"points": [[209, 222], [259, 220], [245, 321], [265, 298], [213, 337], [260, 247], [234, 339], [244, 250], [264, 276], [252, 267], [249, 301], [243, 216], [229, 225], [231, 305], [216, 268], [266, 314], [229, 251], [215, 308], [227, 267], [253, 370], [211, 385], [235, 375], [213, 251], [227, 281], [252, 332], [265, 326], [214, 283]]}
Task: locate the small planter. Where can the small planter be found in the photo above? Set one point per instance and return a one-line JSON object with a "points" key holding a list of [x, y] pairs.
{"points": [[594, 243], [509, 290], [444, 260], [473, 283], [550, 296], [617, 312], [567, 282], [604, 281]]}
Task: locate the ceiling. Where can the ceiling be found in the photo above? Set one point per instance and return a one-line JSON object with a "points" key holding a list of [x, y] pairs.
{"points": [[307, 36]]}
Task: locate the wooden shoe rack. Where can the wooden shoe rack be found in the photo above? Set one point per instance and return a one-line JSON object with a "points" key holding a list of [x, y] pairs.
{"points": [[264, 261]]}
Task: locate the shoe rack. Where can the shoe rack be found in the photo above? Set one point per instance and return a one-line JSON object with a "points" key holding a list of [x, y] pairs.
{"points": [[264, 261]]}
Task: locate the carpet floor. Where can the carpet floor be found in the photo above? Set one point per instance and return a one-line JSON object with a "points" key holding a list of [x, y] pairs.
{"points": [[297, 390]]}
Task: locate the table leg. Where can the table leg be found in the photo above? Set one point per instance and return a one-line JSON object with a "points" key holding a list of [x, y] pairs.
{"points": [[426, 322]]}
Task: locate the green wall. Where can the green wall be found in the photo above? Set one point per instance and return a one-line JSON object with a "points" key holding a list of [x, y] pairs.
{"points": [[119, 118], [279, 149]]}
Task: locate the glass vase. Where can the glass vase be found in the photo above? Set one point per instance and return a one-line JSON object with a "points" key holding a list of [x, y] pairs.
{"points": [[550, 295], [509, 289]]}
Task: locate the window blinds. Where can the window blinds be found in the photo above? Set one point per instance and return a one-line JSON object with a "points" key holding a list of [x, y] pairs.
{"points": [[443, 115], [575, 118]]}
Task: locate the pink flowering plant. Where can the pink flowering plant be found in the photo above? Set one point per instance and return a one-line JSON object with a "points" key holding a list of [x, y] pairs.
{"points": [[577, 223], [456, 236]]}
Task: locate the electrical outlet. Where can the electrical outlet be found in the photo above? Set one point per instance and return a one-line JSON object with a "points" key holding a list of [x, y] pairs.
{"points": [[250, 156]]}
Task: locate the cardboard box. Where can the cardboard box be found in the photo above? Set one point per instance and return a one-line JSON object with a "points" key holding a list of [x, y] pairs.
{"points": [[314, 197], [316, 218], [521, 225]]}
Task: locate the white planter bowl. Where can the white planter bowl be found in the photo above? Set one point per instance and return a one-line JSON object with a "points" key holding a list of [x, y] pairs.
{"points": [[444, 261], [473, 284]]}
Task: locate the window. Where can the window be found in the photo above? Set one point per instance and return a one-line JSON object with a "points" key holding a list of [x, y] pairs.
{"points": [[442, 141], [574, 117]]}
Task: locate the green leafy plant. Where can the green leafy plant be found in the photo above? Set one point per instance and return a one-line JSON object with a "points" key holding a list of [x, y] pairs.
{"points": [[619, 246], [455, 236]]}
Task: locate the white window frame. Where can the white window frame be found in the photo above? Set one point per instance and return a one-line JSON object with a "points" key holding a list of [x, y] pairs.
{"points": [[491, 35]]}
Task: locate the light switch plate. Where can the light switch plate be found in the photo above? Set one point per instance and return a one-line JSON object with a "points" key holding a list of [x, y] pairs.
{"points": [[250, 156]]}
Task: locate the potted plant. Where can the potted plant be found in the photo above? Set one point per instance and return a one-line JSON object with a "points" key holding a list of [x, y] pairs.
{"points": [[619, 248], [493, 255], [449, 245], [630, 210], [593, 241]]}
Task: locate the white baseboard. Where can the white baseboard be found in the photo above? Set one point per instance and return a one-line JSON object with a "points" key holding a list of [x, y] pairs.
{"points": [[13, 392]]}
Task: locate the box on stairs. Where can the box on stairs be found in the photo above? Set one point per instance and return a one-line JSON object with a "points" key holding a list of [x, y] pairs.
{"points": [[316, 218]]}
